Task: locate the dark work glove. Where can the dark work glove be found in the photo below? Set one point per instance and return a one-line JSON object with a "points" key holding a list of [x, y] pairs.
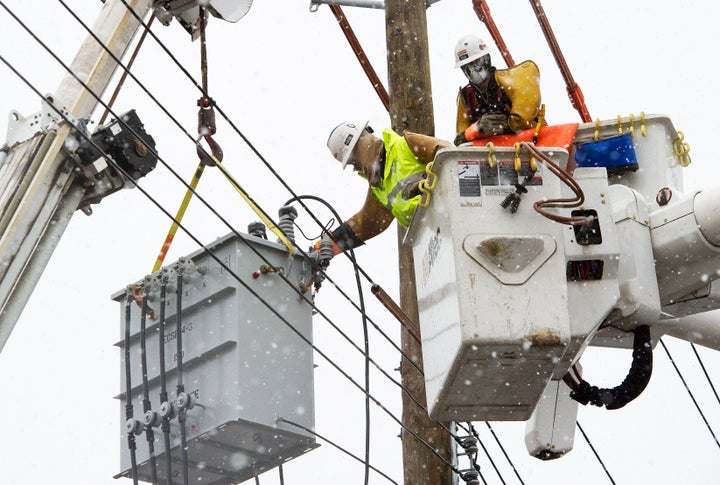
{"points": [[493, 124], [460, 138]]}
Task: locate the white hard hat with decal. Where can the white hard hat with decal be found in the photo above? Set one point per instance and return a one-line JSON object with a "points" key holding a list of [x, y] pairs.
{"points": [[470, 48], [342, 140]]}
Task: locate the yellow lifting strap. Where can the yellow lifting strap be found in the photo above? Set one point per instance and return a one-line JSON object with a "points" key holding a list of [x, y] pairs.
{"points": [[186, 201], [260, 213], [178, 217]]}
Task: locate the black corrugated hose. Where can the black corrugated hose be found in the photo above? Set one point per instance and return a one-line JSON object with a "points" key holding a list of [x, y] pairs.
{"points": [[634, 384]]}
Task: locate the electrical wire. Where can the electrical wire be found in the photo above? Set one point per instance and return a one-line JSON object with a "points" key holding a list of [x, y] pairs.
{"points": [[165, 426], [595, 452], [692, 397], [502, 448], [150, 436], [366, 337], [340, 448], [707, 376], [128, 387], [180, 388]]}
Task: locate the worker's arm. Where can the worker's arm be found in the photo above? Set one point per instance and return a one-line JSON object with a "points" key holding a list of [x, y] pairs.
{"points": [[372, 219], [424, 147]]}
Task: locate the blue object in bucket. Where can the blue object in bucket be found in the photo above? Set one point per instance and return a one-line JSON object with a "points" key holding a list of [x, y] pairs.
{"points": [[616, 154]]}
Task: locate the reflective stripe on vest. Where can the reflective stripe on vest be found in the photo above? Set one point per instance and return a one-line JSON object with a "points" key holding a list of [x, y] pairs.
{"points": [[400, 165]]}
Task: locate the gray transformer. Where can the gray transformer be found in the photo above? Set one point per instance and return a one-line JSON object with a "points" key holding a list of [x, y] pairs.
{"points": [[245, 363]]}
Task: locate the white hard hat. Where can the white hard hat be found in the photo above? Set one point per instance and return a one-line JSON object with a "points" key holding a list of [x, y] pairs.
{"points": [[470, 48], [342, 140]]}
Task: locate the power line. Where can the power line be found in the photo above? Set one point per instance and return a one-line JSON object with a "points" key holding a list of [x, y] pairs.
{"points": [[595, 453], [707, 376], [692, 397], [507, 457], [304, 428]]}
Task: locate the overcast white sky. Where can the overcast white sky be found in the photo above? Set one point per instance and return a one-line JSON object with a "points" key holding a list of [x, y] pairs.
{"points": [[286, 77]]}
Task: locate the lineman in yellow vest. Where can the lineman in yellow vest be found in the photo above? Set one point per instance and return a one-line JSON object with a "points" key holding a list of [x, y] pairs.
{"points": [[495, 101], [393, 166]]}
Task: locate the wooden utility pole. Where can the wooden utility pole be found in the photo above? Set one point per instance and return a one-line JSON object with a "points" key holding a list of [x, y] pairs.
{"points": [[411, 109]]}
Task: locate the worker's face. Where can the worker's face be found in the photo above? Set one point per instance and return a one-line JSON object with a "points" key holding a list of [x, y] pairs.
{"points": [[478, 70], [361, 152]]}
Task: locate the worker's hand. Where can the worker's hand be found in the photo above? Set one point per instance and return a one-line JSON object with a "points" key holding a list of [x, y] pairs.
{"points": [[460, 138], [493, 124], [412, 185]]}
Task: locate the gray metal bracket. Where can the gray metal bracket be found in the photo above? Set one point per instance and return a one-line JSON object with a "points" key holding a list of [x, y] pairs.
{"points": [[22, 128]]}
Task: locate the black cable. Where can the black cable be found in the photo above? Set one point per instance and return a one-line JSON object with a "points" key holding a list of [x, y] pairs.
{"points": [[128, 389], [595, 453], [180, 386], [707, 376], [631, 387], [507, 457], [149, 434], [697, 406], [280, 473], [340, 448], [165, 426], [365, 335]]}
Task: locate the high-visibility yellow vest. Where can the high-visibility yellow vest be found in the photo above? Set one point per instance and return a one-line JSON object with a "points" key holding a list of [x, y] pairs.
{"points": [[400, 164]]}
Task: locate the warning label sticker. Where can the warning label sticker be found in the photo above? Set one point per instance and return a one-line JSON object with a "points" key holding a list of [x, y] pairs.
{"points": [[469, 178], [477, 177]]}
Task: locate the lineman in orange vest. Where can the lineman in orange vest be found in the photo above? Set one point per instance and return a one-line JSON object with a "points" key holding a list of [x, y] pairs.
{"points": [[494, 101]]}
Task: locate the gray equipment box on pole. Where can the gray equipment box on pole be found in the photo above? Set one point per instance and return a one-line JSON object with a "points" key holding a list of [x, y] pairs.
{"points": [[247, 359]]}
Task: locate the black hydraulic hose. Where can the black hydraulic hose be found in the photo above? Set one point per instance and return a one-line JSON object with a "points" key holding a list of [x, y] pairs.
{"points": [[180, 387], [634, 383], [165, 426], [128, 390], [149, 434], [366, 334]]}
